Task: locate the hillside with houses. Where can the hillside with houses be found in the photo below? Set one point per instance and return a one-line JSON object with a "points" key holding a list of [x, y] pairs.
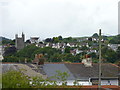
{"points": [[59, 49]]}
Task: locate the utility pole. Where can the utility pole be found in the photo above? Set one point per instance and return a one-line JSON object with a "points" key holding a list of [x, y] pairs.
{"points": [[99, 86]]}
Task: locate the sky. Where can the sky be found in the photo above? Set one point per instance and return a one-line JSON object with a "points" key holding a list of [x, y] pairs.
{"points": [[51, 18]]}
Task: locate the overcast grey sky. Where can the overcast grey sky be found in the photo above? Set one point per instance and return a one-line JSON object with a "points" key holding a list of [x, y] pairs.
{"points": [[49, 18]]}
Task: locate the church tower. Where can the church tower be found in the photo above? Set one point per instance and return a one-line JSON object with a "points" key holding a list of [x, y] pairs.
{"points": [[19, 41]]}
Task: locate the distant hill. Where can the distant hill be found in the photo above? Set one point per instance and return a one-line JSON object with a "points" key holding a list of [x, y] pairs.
{"points": [[3, 38]]}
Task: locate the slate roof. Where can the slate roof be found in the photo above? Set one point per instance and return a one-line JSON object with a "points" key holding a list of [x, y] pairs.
{"points": [[50, 70], [79, 71]]}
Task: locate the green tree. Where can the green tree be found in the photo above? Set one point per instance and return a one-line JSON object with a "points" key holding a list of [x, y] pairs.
{"points": [[67, 49], [10, 51], [55, 39], [11, 59], [95, 35], [84, 48], [48, 52], [68, 57], [56, 58], [60, 37], [118, 53], [27, 51], [15, 79], [109, 54], [61, 76], [93, 55], [115, 40]]}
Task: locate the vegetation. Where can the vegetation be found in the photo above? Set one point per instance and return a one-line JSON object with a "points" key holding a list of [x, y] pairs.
{"points": [[115, 40], [60, 39], [58, 55], [51, 54], [109, 55], [16, 79], [7, 41]]}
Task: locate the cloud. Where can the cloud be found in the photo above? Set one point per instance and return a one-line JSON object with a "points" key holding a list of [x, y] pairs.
{"points": [[48, 18]]}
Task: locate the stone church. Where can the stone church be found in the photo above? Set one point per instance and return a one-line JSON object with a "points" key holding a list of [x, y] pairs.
{"points": [[19, 41]]}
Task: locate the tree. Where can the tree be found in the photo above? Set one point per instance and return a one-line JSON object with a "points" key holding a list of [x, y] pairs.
{"points": [[10, 51], [118, 53], [115, 40], [95, 35], [48, 40], [68, 57], [93, 55], [11, 59], [55, 39], [109, 54], [60, 37], [27, 51], [15, 79], [6, 41], [28, 41], [84, 48], [62, 76], [12, 42], [90, 38], [48, 52], [56, 58], [67, 49]]}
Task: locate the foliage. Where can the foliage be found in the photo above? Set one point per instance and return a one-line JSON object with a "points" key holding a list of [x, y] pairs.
{"points": [[67, 49], [56, 58], [48, 52], [8, 41], [54, 39], [28, 41], [84, 48], [15, 79], [118, 53], [95, 35], [11, 59], [115, 40], [56, 55], [61, 76], [93, 55], [27, 51], [109, 54], [10, 51]]}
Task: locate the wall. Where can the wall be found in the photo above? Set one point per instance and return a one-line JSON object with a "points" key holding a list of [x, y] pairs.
{"points": [[109, 82]]}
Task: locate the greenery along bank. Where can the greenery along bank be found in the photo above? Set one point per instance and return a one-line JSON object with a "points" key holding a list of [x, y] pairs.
{"points": [[56, 55]]}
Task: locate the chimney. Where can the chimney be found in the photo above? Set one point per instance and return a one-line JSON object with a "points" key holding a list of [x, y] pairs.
{"points": [[87, 61], [41, 59]]}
